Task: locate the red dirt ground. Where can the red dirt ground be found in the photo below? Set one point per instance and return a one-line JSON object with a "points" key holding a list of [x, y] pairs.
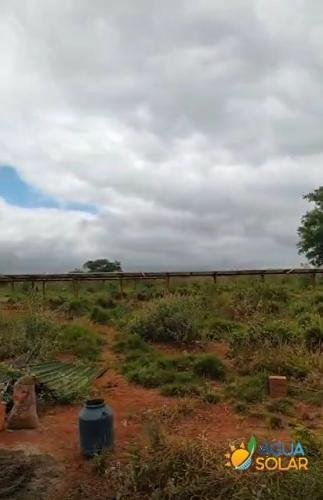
{"points": [[58, 431]]}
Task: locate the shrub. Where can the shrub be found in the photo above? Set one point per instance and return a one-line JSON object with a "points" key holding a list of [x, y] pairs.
{"points": [[113, 290], [170, 414], [314, 398], [317, 298], [77, 307], [208, 365], [33, 334], [283, 406], [319, 309], [100, 315], [174, 375], [291, 361], [298, 308], [314, 335], [56, 302], [149, 375], [259, 294], [241, 407], [105, 302], [148, 291], [210, 396], [307, 318], [218, 328], [80, 340], [269, 333], [313, 446], [274, 422], [250, 390], [8, 376], [178, 389], [126, 343], [153, 369], [166, 320]]}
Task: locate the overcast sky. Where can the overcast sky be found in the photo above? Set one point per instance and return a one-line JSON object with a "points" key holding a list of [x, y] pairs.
{"points": [[177, 134]]}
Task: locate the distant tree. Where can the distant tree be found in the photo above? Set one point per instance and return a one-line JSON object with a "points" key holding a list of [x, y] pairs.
{"points": [[101, 266], [76, 270], [311, 229]]}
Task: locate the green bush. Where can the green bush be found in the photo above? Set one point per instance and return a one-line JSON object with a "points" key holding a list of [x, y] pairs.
{"points": [[299, 307], [220, 328], [313, 446], [148, 291], [307, 318], [258, 294], [250, 390], [125, 343], [178, 389], [100, 316], [283, 406], [166, 320], [56, 302], [317, 298], [208, 365], [314, 335], [33, 334], [112, 289], [80, 340], [210, 396], [277, 332], [174, 375], [149, 375], [153, 369], [105, 302], [291, 361], [268, 333], [77, 307]]}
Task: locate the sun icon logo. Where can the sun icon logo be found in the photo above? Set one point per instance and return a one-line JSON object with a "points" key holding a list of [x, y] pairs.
{"points": [[241, 458]]}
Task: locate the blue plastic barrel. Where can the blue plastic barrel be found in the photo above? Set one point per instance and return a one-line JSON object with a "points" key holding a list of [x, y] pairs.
{"points": [[96, 428]]}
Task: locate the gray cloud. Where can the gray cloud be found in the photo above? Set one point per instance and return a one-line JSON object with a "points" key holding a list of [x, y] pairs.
{"points": [[194, 127]]}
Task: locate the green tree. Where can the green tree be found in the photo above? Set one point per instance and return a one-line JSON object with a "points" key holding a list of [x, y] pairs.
{"points": [[101, 266], [311, 229]]}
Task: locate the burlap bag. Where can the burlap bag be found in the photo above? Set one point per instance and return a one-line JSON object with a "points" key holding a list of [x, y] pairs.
{"points": [[24, 412]]}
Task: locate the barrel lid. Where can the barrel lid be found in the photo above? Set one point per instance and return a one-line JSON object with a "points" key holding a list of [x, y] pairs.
{"points": [[94, 403]]}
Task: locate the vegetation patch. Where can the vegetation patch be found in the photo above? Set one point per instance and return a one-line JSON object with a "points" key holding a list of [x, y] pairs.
{"points": [[291, 361], [249, 390], [190, 468], [183, 375], [167, 320], [80, 340], [33, 335], [100, 315], [209, 366]]}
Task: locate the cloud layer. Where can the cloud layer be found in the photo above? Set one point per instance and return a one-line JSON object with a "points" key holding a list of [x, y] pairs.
{"points": [[193, 127]]}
